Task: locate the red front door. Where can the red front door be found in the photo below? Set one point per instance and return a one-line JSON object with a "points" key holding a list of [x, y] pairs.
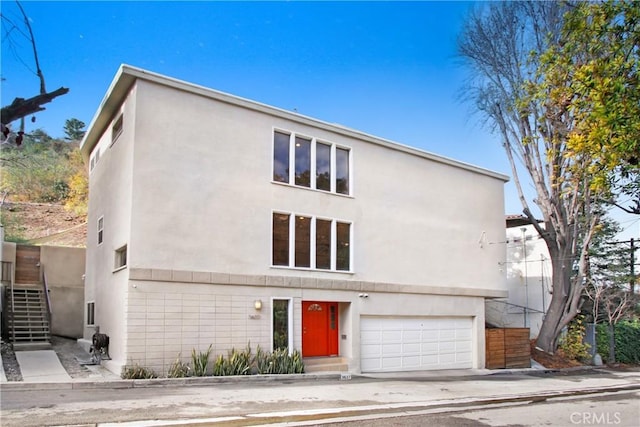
{"points": [[319, 328]]}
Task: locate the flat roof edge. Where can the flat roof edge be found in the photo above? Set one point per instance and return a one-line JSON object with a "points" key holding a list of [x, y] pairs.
{"points": [[127, 74]]}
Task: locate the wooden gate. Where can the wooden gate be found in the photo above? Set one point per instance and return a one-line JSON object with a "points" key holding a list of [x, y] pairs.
{"points": [[507, 348], [27, 264]]}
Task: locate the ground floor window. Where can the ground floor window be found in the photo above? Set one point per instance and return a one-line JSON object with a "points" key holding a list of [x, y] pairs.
{"points": [[281, 324], [91, 313]]}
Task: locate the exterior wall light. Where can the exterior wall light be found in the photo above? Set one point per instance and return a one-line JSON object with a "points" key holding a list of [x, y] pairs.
{"points": [[257, 304]]}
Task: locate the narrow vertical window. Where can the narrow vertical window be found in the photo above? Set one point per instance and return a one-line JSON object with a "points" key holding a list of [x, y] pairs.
{"points": [[303, 162], [116, 130], [342, 171], [303, 242], [323, 244], [100, 229], [280, 324], [280, 244], [91, 313], [343, 249], [281, 157], [323, 167]]}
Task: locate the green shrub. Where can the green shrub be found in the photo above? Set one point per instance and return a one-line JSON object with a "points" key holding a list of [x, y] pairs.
{"points": [[602, 340], [219, 366], [627, 334], [242, 362], [627, 341], [237, 362], [279, 362], [200, 361], [572, 344], [178, 369], [137, 372]]}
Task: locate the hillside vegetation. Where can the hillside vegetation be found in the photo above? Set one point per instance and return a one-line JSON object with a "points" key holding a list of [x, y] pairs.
{"points": [[44, 189]]}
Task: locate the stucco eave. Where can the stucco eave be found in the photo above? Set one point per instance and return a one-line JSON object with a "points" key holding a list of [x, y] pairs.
{"points": [[111, 102], [127, 75]]}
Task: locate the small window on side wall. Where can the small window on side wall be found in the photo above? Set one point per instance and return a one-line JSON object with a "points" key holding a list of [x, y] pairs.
{"points": [[100, 229], [116, 129], [91, 313], [121, 258]]}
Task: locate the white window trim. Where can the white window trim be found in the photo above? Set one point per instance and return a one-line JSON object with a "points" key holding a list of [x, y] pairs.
{"points": [[99, 239], [289, 321], [115, 136], [313, 166], [312, 253], [86, 317], [117, 253]]}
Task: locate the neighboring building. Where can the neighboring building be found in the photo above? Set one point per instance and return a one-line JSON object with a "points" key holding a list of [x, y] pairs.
{"points": [[218, 220], [529, 271]]}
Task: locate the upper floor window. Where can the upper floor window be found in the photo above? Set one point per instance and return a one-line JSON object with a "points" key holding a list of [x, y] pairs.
{"points": [[100, 229], [116, 129], [307, 162], [94, 159], [309, 242]]}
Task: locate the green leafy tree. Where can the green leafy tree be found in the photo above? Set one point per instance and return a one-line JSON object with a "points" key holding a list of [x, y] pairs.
{"points": [[592, 74], [609, 260], [503, 43], [611, 297], [74, 129]]}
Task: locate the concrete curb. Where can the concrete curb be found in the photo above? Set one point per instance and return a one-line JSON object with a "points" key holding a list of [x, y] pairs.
{"points": [[163, 382]]}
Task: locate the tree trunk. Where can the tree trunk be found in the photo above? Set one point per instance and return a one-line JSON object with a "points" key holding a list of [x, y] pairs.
{"points": [[547, 338], [564, 299]]}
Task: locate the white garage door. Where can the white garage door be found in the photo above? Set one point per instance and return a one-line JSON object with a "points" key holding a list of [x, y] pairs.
{"points": [[391, 344]]}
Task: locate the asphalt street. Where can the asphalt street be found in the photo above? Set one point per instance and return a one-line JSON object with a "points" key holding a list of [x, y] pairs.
{"points": [[294, 401]]}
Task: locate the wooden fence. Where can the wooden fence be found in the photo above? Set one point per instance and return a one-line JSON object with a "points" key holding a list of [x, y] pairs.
{"points": [[507, 348]]}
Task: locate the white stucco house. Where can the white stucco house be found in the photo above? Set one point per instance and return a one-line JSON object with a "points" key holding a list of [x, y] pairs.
{"points": [[529, 270], [219, 220]]}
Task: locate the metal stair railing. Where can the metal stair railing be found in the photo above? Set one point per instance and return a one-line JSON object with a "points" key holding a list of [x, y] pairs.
{"points": [[8, 274], [48, 299]]}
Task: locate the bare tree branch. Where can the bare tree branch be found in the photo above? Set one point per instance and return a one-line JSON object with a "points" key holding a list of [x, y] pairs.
{"points": [[20, 107], [43, 90]]}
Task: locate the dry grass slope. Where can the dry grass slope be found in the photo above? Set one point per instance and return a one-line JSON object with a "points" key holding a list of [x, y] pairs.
{"points": [[43, 224]]}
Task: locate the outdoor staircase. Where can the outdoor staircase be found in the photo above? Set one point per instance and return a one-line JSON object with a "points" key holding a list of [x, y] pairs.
{"points": [[28, 318], [325, 364]]}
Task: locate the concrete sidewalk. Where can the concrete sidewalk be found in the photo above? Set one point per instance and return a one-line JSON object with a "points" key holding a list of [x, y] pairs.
{"points": [[41, 366], [293, 399], [44, 367]]}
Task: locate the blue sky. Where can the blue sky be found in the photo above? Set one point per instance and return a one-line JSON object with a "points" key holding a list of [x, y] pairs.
{"points": [[389, 69]]}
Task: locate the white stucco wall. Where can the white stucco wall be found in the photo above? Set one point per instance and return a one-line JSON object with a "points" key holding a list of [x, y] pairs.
{"points": [[110, 192], [64, 268], [203, 199]]}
